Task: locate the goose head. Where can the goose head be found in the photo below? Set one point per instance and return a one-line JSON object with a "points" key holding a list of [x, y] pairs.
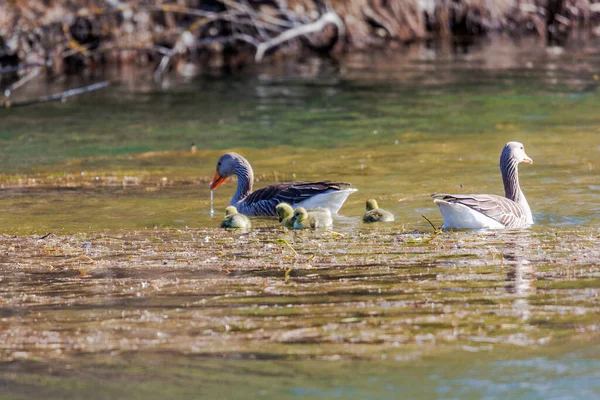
{"points": [[372, 204], [225, 168], [284, 210], [515, 151]]}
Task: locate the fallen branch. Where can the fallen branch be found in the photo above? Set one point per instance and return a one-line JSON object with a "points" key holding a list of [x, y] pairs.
{"points": [[162, 67], [56, 97], [22, 81], [317, 26]]}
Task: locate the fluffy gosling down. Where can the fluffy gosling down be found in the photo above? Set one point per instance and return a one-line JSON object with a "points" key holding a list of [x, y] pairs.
{"points": [[233, 219], [313, 220], [376, 214], [285, 213]]}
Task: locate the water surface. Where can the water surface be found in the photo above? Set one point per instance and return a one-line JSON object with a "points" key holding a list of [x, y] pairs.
{"points": [[135, 289]]}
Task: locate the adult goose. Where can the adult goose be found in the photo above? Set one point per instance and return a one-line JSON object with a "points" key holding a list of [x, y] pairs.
{"points": [[488, 211], [324, 194]]}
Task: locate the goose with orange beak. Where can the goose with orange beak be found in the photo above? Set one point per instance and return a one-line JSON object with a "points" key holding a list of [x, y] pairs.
{"points": [[488, 211], [325, 194]]}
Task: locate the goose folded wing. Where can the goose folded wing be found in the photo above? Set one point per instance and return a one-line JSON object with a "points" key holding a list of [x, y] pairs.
{"points": [[498, 208], [293, 192]]}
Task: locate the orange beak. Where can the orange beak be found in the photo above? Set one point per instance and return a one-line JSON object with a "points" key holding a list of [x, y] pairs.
{"points": [[217, 181], [527, 160]]}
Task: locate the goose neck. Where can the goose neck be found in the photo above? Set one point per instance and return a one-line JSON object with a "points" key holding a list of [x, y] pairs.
{"points": [[245, 177], [510, 177]]}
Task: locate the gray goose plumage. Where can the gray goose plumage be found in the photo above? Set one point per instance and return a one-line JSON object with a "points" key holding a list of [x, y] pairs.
{"points": [[263, 201], [484, 211]]}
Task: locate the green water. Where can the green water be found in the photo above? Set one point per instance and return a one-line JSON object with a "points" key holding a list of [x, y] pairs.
{"points": [[137, 292]]}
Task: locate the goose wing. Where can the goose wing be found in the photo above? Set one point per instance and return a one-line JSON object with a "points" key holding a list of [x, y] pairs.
{"points": [[498, 208], [264, 200]]}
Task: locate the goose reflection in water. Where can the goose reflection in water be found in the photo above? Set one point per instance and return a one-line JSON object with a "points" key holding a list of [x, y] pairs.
{"points": [[520, 277]]}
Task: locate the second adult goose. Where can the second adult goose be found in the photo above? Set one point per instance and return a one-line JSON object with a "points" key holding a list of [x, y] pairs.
{"points": [[488, 211], [325, 194]]}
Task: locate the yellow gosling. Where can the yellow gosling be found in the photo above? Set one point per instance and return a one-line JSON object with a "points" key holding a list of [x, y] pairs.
{"points": [[234, 220], [314, 220], [285, 213], [376, 214]]}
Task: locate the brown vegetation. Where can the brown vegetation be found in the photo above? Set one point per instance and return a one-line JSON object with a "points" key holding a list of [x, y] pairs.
{"points": [[61, 35]]}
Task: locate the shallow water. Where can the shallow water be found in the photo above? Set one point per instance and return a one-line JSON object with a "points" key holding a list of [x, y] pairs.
{"points": [[135, 284]]}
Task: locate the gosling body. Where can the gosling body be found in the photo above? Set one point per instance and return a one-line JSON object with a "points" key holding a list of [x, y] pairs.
{"points": [[313, 220], [234, 220], [376, 214]]}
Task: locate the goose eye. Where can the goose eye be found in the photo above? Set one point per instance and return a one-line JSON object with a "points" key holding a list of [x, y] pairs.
{"points": [[521, 147]]}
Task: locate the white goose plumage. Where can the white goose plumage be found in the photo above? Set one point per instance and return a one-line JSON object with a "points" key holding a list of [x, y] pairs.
{"points": [[488, 211], [263, 201]]}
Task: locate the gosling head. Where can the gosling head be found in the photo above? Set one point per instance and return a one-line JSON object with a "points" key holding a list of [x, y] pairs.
{"points": [[300, 214], [284, 210], [372, 204], [230, 210]]}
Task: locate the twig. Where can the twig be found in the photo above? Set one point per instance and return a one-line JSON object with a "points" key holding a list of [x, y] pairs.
{"points": [[225, 39], [251, 12], [317, 26], [22, 81], [435, 230], [270, 23], [259, 28], [57, 96], [370, 14], [114, 47], [162, 67], [283, 241]]}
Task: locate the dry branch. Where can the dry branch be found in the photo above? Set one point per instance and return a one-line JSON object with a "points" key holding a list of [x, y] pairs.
{"points": [[317, 26], [62, 96], [62, 35], [8, 91]]}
